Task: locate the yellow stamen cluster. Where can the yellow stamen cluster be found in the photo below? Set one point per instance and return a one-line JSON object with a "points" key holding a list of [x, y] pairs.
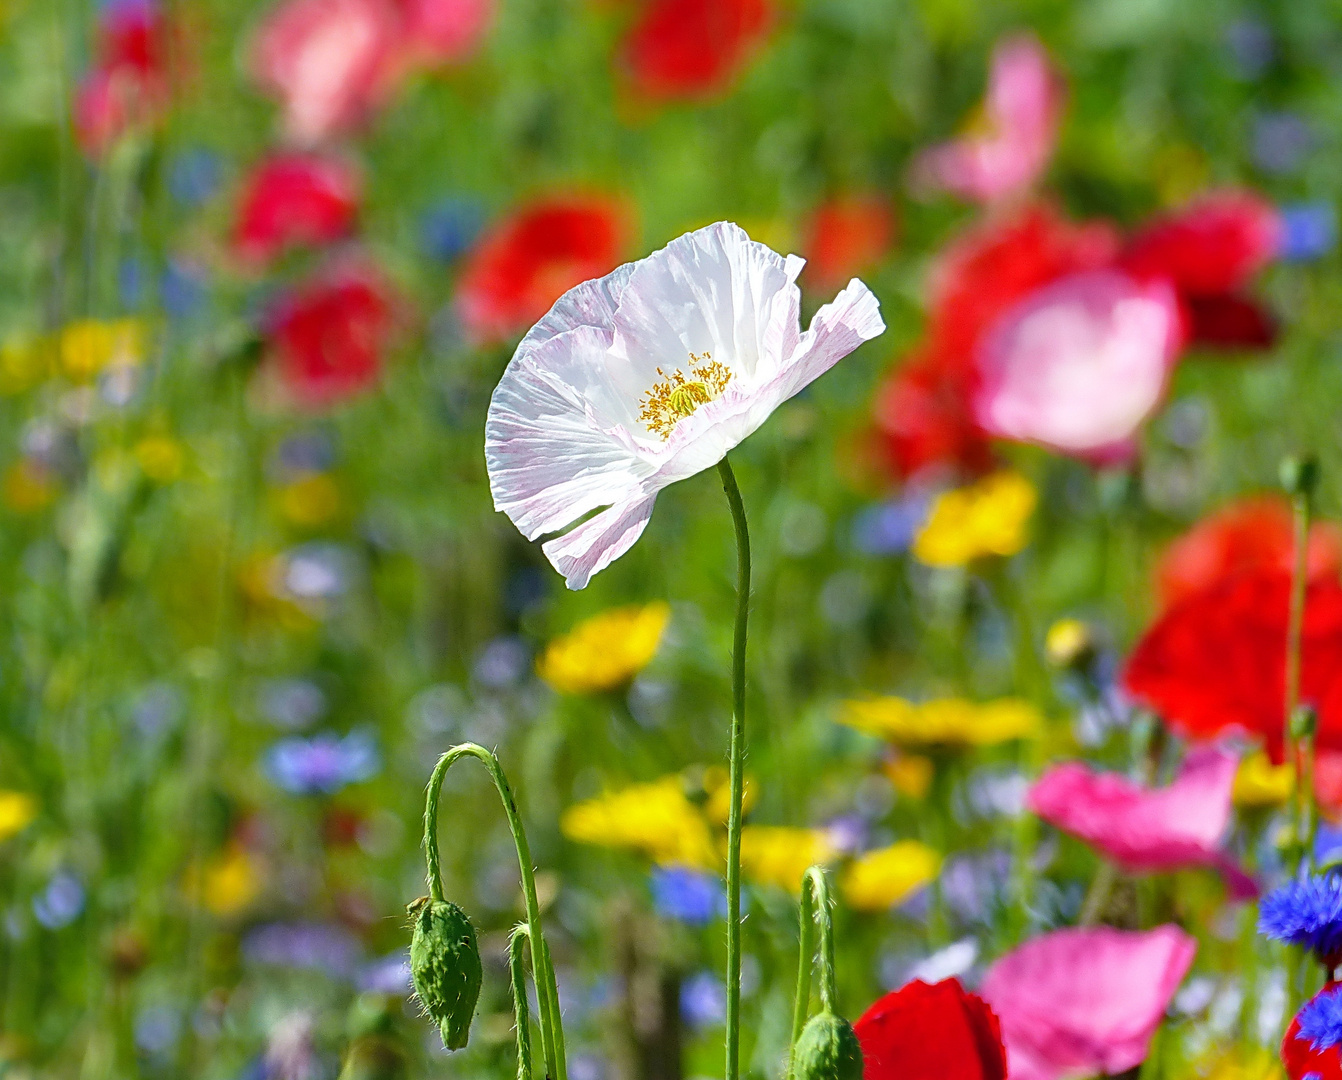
{"points": [[677, 396]]}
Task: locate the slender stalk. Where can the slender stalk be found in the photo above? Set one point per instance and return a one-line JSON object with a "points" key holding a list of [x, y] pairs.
{"points": [[547, 990], [738, 754], [518, 975], [816, 906], [1294, 639]]}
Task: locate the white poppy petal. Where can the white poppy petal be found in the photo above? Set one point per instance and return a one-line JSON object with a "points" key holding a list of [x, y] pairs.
{"points": [[599, 541], [839, 327], [549, 460], [592, 303]]}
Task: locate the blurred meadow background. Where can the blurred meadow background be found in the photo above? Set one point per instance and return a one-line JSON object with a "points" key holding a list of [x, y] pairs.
{"points": [[261, 267]]}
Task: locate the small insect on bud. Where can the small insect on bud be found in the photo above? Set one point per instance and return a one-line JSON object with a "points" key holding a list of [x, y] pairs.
{"points": [[827, 1050], [445, 966]]}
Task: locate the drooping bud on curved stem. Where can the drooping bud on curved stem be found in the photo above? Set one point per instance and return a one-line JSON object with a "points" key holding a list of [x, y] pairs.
{"points": [[826, 1047], [547, 991]]}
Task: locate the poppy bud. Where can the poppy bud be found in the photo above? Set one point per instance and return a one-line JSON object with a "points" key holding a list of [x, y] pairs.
{"points": [[445, 967], [1300, 475], [827, 1050]]}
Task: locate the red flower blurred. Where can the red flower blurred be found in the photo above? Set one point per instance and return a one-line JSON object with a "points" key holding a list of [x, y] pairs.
{"points": [[1210, 251], [295, 199], [328, 336], [923, 419], [1252, 534], [524, 263], [691, 48], [931, 1032], [846, 236], [440, 31], [129, 84], [1300, 1057], [1216, 661]]}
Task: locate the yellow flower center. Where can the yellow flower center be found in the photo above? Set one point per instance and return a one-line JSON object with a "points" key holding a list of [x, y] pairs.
{"points": [[676, 396]]}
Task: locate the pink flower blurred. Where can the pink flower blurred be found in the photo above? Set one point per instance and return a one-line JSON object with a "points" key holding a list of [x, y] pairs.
{"points": [[129, 84], [1077, 1002], [331, 63], [1079, 364], [1143, 828], [1004, 153], [293, 199]]}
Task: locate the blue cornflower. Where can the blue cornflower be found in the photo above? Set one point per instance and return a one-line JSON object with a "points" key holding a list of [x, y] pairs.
{"points": [[323, 764], [1321, 1020], [1306, 912], [687, 895]]}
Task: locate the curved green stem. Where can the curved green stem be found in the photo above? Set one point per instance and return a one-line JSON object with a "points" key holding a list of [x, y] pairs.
{"points": [[518, 976], [547, 990], [738, 755], [816, 906]]}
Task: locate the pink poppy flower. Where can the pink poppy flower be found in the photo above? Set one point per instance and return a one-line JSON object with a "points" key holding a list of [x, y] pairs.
{"points": [[295, 199], [1077, 1002], [1079, 364], [130, 82], [1142, 828], [440, 31], [329, 62], [1006, 154]]}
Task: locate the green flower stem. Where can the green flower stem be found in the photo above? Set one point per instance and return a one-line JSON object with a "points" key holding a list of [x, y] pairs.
{"points": [[738, 754], [1294, 640], [547, 990], [518, 975], [816, 906]]}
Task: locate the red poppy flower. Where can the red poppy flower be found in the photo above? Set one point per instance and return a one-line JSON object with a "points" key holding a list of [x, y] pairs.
{"points": [[931, 1032], [1210, 251], [129, 84], [1300, 1057], [1214, 246], [529, 260], [691, 48], [329, 335], [923, 419], [1216, 661], [293, 199], [1249, 535], [845, 237]]}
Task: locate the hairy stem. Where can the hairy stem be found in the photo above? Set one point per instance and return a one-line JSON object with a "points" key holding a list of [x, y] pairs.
{"points": [[518, 977], [738, 755], [547, 990]]}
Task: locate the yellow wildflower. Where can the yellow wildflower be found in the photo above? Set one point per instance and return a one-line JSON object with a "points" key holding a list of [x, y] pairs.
{"points": [[1066, 642], [91, 345], [17, 811], [23, 363], [227, 882], [310, 501], [986, 518], [28, 487], [880, 879], [1259, 783], [945, 721], [160, 458], [778, 855], [605, 651], [1254, 1064], [656, 818], [911, 774]]}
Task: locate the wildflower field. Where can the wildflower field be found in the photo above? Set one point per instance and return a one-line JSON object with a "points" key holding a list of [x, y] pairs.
{"points": [[670, 539]]}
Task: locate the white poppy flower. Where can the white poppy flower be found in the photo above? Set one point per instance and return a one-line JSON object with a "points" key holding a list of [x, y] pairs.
{"points": [[649, 375]]}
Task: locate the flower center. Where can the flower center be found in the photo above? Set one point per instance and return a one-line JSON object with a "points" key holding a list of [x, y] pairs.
{"points": [[676, 396]]}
